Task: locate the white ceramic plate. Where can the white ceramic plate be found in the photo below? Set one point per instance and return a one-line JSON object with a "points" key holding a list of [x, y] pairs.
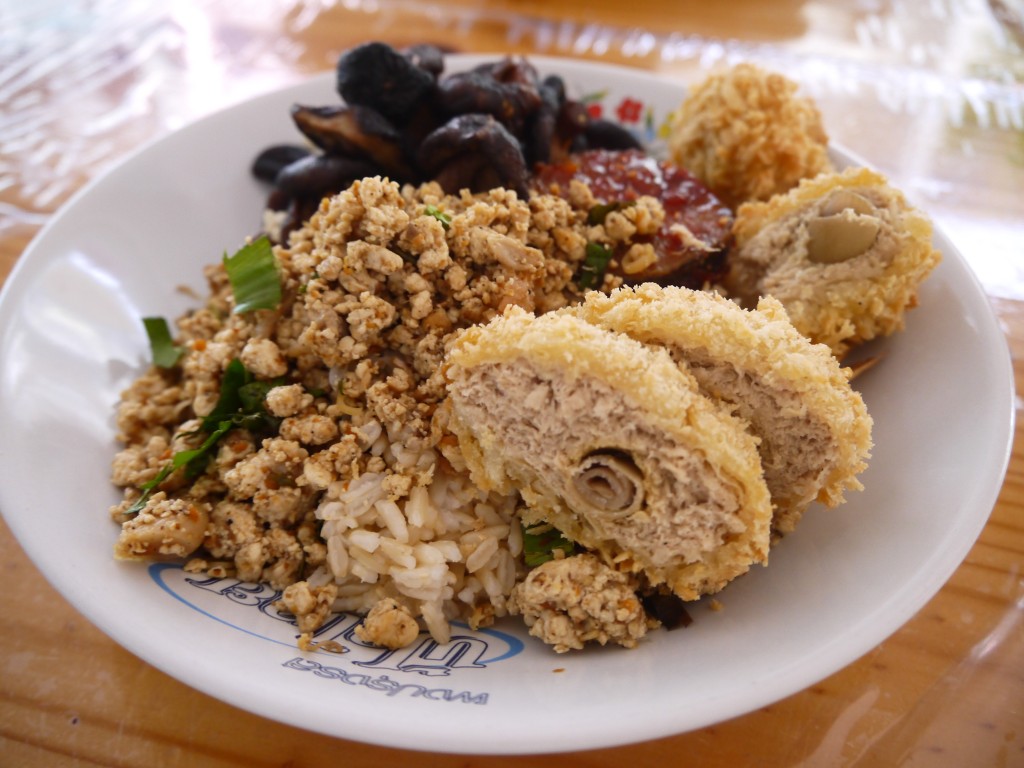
{"points": [[71, 340]]}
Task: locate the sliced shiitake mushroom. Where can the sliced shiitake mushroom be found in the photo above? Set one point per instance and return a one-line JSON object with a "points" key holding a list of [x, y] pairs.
{"points": [[402, 119], [273, 159], [474, 152], [376, 75], [428, 57], [356, 131], [604, 134], [315, 175], [506, 89]]}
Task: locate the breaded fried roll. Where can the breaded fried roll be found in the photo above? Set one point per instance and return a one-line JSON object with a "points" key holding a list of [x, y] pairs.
{"points": [[844, 253], [814, 429], [748, 134], [612, 443]]}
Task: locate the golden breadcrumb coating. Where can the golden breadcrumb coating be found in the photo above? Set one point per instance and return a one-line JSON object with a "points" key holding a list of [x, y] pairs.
{"points": [[844, 253], [558, 408], [814, 430], [748, 135]]}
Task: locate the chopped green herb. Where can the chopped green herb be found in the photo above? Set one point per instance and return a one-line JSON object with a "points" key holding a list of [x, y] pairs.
{"points": [[165, 353], [240, 404], [437, 213], [540, 543], [147, 490], [599, 212], [594, 265], [254, 278], [196, 459], [241, 401]]}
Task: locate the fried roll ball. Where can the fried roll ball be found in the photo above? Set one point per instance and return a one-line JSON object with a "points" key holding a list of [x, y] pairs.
{"points": [[614, 445], [814, 429], [748, 135], [844, 253]]}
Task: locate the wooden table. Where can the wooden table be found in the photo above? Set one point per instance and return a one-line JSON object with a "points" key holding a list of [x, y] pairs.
{"points": [[932, 93]]}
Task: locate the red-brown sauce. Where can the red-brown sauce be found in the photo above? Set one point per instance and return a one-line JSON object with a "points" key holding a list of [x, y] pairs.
{"points": [[624, 175]]}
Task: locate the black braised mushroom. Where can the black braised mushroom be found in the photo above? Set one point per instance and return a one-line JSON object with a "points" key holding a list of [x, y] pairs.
{"points": [[572, 123], [604, 134], [272, 160], [507, 89], [557, 127], [474, 152], [541, 133], [316, 175], [355, 131], [403, 120], [376, 75], [427, 57]]}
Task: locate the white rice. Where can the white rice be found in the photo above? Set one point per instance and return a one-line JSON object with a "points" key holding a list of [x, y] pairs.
{"points": [[446, 548]]}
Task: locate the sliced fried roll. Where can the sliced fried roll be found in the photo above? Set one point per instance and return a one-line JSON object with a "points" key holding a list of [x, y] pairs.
{"points": [[613, 444], [814, 429], [843, 252]]}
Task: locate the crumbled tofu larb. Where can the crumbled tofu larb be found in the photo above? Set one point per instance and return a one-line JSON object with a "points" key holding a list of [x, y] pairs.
{"points": [[570, 601], [310, 605], [388, 625], [164, 528], [373, 288]]}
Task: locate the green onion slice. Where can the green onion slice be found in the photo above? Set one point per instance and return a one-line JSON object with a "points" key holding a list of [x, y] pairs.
{"points": [[164, 353], [437, 213], [594, 265], [597, 214], [254, 278], [540, 543], [240, 404]]}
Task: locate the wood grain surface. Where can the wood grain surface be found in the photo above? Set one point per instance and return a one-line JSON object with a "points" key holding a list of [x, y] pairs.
{"points": [[947, 689]]}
